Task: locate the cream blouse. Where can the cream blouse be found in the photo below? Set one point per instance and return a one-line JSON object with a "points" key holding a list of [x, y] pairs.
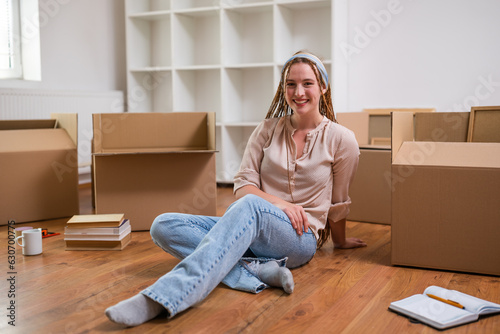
{"points": [[319, 180]]}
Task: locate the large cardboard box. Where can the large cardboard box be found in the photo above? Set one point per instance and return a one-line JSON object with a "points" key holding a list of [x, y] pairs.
{"points": [[370, 190], [445, 200], [146, 164], [39, 169]]}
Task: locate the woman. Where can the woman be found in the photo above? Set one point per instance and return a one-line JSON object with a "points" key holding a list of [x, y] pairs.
{"points": [[292, 191]]}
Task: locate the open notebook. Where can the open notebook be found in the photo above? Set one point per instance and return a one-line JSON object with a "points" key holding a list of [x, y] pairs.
{"points": [[442, 308]]}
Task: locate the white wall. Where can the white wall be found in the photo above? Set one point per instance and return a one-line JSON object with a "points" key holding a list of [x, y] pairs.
{"points": [[418, 53], [82, 46], [427, 53]]}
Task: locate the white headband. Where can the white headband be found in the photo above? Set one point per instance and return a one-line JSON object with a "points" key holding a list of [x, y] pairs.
{"points": [[315, 60]]}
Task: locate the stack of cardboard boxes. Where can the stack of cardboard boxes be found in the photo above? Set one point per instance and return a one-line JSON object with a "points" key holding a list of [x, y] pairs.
{"points": [[438, 187]]}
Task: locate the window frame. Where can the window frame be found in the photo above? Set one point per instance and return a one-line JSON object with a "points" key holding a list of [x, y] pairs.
{"points": [[15, 51]]}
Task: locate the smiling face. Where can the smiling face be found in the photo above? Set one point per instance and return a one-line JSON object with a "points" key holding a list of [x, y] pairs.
{"points": [[302, 90]]}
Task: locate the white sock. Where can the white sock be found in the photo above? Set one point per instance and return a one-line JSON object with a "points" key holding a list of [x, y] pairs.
{"points": [[134, 311], [274, 275]]}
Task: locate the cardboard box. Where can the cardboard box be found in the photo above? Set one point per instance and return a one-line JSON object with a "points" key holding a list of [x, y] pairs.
{"points": [[445, 200], [146, 164], [370, 191], [39, 169]]}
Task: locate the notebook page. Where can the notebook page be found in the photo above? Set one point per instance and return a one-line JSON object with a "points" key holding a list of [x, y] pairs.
{"points": [[441, 313], [471, 304]]}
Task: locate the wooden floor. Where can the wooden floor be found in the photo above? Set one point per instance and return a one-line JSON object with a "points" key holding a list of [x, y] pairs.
{"points": [[341, 291]]}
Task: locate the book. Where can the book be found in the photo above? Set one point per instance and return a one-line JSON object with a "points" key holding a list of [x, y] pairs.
{"points": [[442, 308], [98, 244], [98, 220], [98, 236], [90, 231]]}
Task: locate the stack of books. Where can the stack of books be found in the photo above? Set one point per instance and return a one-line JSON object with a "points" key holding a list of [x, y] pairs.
{"points": [[97, 232]]}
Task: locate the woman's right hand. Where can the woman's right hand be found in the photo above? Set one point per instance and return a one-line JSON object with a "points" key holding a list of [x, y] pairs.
{"points": [[295, 213], [297, 216]]}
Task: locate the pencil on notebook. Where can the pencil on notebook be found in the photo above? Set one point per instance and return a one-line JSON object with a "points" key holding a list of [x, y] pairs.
{"points": [[447, 301]]}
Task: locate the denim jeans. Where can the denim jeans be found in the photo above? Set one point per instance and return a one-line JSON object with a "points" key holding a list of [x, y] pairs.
{"points": [[217, 249]]}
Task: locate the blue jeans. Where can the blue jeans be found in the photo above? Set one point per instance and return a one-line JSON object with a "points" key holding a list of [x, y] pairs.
{"points": [[221, 249]]}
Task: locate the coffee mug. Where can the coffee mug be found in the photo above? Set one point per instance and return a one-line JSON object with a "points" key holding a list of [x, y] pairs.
{"points": [[19, 230], [31, 241]]}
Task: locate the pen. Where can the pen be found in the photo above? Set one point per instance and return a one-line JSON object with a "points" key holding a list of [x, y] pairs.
{"points": [[447, 301], [50, 234]]}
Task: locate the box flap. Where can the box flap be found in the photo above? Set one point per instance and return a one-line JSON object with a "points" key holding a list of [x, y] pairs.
{"points": [[442, 126], [375, 147], [153, 132], [35, 140], [68, 122], [27, 124], [358, 123], [211, 131], [379, 129], [483, 155], [176, 150], [388, 111], [402, 130], [484, 125]]}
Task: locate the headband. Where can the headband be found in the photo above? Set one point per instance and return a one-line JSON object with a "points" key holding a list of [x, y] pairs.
{"points": [[315, 60]]}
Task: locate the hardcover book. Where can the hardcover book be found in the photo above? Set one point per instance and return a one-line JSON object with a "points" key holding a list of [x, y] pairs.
{"points": [[99, 220], [70, 231], [98, 244]]}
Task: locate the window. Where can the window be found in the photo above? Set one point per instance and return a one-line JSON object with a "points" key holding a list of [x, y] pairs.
{"points": [[10, 40], [20, 40]]}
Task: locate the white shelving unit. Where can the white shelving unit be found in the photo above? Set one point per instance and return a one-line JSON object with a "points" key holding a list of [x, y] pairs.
{"points": [[219, 55]]}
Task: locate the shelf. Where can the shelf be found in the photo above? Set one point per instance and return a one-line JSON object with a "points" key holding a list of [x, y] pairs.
{"points": [[308, 4], [234, 142], [197, 90], [198, 67], [151, 43], [146, 6], [151, 69], [149, 92], [249, 65], [243, 3], [247, 35], [247, 93], [196, 40], [224, 56], [151, 16], [302, 25], [254, 7], [194, 4]]}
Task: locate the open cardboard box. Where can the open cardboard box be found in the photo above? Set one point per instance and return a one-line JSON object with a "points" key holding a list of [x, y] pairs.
{"points": [[146, 164], [39, 169], [370, 191], [445, 200]]}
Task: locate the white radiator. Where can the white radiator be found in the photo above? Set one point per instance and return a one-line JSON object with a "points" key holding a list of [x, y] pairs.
{"points": [[39, 104]]}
